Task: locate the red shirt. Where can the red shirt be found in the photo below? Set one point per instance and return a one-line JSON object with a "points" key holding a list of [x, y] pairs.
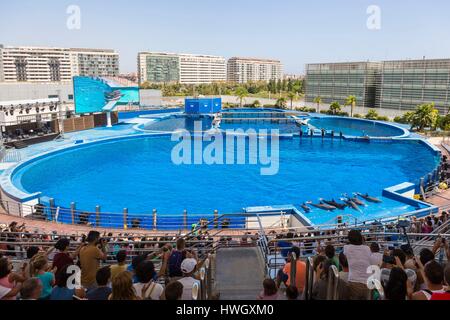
{"points": [[441, 296], [60, 260]]}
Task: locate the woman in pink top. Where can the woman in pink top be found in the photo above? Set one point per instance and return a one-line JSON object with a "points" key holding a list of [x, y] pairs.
{"points": [[9, 281]]}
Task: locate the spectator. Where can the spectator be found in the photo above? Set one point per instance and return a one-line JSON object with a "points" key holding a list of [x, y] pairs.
{"points": [[61, 291], [343, 274], [121, 264], [397, 259], [284, 275], [322, 267], [63, 257], [376, 258], [173, 291], [188, 267], [102, 290], [410, 259], [122, 287], [134, 263], [270, 291], [330, 253], [39, 269], [396, 285], [146, 287], [285, 245], [425, 256], [176, 258], [10, 282], [358, 257], [433, 274], [90, 256], [292, 293], [31, 289], [445, 295]]}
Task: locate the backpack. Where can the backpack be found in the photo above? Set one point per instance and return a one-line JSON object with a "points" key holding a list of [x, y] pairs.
{"points": [[175, 259]]}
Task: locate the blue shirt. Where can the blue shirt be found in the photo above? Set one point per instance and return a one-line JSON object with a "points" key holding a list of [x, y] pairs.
{"points": [[62, 293], [101, 293], [46, 280]]}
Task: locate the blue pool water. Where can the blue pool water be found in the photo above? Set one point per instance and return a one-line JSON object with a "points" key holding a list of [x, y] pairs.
{"points": [[355, 127], [289, 127], [139, 174], [173, 123]]}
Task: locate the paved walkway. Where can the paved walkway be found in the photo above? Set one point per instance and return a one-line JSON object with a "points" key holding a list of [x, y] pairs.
{"points": [[239, 273]]}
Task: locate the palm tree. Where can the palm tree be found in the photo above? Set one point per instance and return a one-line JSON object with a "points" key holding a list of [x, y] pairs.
{"points": [[335, 107], [351, 101], [256, 104], [281, 102], [292, 96], [241, 93], [425, 116], [318, 100]]}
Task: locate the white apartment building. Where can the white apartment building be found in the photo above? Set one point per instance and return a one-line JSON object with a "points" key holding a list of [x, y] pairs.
{"points": [[47, 64], [242, 70], [183, 68]]}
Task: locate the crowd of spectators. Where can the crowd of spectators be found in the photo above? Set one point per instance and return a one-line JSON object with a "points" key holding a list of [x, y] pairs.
{"points": [[136, 267], [50, 272], [366, 270]]}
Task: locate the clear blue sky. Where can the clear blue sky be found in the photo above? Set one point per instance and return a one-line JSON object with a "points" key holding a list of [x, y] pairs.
{"points": [[294, 31]]}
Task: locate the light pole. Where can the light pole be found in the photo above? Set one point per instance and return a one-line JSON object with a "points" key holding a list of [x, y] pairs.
{"points": [[59, 105]]}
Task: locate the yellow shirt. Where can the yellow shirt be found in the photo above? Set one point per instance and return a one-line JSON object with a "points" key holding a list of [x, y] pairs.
{"points": [[90, 261], [116, 269]]}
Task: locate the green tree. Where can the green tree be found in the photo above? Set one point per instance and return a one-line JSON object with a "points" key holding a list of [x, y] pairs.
{"points": [[372, 114], [425, 116], [335, 107], [292, 96], [241, 93], [256, 104], [281, 102], [351, 101], [318, 100]]}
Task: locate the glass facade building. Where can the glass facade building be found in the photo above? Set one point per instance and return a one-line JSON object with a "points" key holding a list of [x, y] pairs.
{"points": [[400, 85], [406, 84], [162, 68], [336, 81]]}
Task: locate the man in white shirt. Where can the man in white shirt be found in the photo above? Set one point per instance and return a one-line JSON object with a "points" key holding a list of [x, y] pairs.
{"points": [[188, 267], [358, 257]]}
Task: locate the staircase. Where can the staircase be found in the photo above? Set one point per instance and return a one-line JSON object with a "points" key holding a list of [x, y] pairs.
{"points": [[239, 273]]}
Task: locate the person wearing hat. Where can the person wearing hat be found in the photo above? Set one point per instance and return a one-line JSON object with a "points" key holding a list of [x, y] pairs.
{"points": [[188, 267]]}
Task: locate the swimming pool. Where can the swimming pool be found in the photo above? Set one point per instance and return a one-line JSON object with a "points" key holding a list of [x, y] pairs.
{"points": [[177, 122], [140, 175], [356, 127]]}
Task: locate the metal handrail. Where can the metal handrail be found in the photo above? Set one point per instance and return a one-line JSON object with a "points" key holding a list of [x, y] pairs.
{"points": [[333, 283], [309, 283]]}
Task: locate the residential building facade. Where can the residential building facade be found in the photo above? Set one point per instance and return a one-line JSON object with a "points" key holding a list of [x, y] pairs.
{"points": [[47, 64], [157, 67], [242, 70]]}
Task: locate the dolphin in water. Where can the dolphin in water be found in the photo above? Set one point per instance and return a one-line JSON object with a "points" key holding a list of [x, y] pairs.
{"points": [[367, 197], [333, 203], [322, 206]]}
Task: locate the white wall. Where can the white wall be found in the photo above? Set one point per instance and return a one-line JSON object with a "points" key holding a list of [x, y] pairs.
{"points": [[33, 91]]}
